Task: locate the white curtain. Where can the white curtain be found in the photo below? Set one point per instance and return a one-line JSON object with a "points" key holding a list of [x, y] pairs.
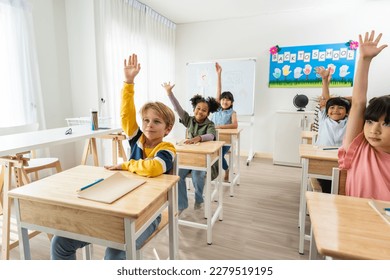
{"points": [[124, 27], [20, 90]]}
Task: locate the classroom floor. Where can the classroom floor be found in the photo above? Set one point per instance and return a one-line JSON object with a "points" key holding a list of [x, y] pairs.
{"points": [[260, 222]]}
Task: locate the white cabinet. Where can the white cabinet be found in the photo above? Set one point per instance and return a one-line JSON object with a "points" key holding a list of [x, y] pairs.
{"points": [[289, 125]]}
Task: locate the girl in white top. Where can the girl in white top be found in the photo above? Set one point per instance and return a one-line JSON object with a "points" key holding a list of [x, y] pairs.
{"points": [[333, 116]]}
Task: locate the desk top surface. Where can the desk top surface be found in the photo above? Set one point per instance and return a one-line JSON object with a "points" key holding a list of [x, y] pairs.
{"points": [[234, 131], [61, 189], [348, 227], [21, 142], [315, 152], [308, 133], [207, 147]]}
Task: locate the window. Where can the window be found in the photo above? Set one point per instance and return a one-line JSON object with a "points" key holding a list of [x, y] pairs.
{"points": [[20, 85]]}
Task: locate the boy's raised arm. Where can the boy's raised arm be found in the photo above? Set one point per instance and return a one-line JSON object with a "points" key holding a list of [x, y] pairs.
{"points": [[128, 113]]}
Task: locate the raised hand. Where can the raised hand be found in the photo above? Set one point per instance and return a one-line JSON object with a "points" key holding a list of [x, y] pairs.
{"points": [[131, 68], [168, 87], [324, 73], [368, 46], [218, 68]]}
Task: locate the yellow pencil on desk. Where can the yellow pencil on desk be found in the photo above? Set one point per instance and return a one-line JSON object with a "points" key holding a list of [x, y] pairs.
{"points": [[90, 185]]}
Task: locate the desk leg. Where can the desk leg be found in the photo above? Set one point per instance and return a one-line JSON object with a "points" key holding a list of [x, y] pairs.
{"points": [[238, 159], [130, 247], [117, 150], [114, 149], [24, 240], [232, 162], [94, 152], [220, 187], [172, 210], [2, 171], [90, 147], [121, 151], [302, 205], [251, 153], [6, 212], [85, 152], [313, 248], [208, 209]]}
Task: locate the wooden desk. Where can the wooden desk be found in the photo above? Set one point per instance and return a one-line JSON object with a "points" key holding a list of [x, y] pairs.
{"points": [[51, 205], [347, 227], [11, 145], [232, 139], [316, 163], [309, 137], [202, 157]]}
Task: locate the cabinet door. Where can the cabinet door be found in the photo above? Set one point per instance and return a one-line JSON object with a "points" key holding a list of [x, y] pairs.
{"points": [[288, 136]]}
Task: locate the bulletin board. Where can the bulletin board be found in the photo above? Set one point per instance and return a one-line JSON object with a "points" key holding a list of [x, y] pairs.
{"points": [[295, 66], [238, 77]]}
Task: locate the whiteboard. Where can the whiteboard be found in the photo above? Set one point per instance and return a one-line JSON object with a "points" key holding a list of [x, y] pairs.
{"points": [[238, 77]]}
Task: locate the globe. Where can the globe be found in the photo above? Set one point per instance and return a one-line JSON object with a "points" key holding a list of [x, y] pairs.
{"points": [[300, 101]]}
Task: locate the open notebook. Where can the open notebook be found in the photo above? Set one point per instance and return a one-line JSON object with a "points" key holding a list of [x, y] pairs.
{"points": [[111, 188], [379, 207]]}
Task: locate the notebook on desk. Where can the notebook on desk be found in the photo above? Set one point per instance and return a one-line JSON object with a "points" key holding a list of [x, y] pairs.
{"points": [[381, 208], [111, 188]]}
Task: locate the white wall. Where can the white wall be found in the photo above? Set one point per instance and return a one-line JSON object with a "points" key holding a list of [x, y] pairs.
{"points": [[252, 37], [64, 31]]}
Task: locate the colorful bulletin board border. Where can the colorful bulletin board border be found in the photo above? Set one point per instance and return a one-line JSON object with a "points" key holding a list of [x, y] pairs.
{"points": [[295, 66]]}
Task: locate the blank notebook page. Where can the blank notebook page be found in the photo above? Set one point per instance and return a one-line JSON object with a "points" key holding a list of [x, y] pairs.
{"points": [[111, 188]]}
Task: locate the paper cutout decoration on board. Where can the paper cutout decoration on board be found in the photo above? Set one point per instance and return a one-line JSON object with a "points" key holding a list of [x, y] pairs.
{"points": [[295, 66], [111, 188]]}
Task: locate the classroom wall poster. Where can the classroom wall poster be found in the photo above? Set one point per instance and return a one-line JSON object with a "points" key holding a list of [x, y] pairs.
{"points": [[295, 66]]}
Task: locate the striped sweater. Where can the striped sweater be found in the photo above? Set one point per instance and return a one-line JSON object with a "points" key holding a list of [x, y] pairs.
{"points": [[148, 162]]}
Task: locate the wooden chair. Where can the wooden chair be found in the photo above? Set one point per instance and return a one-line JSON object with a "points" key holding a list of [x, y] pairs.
{"points": [[32, 164], [339, 179], [315, 185]]}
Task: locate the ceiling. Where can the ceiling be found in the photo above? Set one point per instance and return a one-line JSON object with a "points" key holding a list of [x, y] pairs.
{"points": [[190, 11]]}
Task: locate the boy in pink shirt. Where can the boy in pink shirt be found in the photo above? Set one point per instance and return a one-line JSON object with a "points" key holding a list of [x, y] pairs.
{"points": [[366, 147]]}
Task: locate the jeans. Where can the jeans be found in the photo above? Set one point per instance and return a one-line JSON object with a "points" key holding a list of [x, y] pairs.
{"points": [[63, 248], [225, 165], [197, 180]]}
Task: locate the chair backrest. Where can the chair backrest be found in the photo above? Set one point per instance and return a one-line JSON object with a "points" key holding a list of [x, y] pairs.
{"points": [[339, 179], [18, 129]]}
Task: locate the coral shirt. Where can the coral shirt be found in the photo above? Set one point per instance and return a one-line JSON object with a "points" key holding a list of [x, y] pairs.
{"points": [[368, 172]]}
